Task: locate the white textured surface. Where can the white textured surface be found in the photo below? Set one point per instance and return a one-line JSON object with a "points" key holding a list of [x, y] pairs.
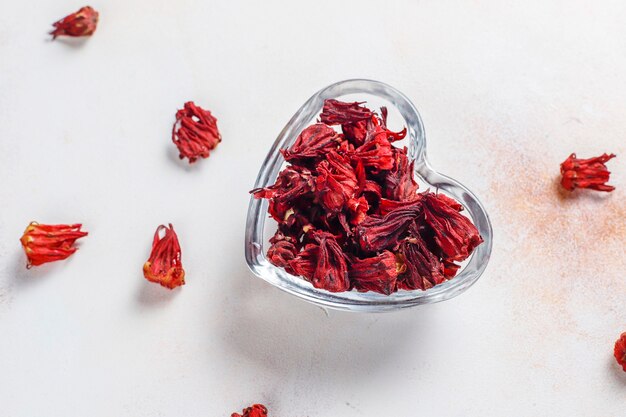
{"points": [[506, 92]]}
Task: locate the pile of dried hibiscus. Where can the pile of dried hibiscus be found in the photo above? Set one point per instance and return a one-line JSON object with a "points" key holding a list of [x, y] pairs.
{"points": [[349, 214]]}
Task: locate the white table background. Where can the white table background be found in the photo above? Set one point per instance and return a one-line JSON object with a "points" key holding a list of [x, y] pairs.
{"points": [[506, 92]]}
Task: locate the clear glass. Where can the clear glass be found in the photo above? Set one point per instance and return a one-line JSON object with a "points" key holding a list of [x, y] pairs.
{"points": [[257, 232]]}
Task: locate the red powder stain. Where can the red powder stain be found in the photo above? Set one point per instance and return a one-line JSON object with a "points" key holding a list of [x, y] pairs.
{"points": [[553, 247]]}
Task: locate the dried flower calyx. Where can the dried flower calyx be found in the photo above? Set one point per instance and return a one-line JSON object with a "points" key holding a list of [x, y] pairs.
{"points": [[81, 23], [48, 243], [257, 410], [620, 351], [195, 132], [349, 214], [164, 265], [589, 173]]}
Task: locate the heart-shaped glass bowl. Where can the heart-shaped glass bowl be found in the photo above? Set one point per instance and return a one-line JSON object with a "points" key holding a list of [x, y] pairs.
{"points": [[404, 113]]}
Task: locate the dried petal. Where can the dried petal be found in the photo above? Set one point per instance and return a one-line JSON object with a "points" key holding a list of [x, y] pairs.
{"points": [[453, 233], [355, 132], [164, 265], [48, 243], [305, 262], [257, 410], [314, 141], [399, 183], [386, 206], [423, 268], [450, 201], [620, 351], [282, 250], [378, 273], [293, 184], [375, 154], [337, 112], [450, 268], [391, 136], [379, 233], [589, 173], [323, 263], [358, 209], [336, 182], [195, 132], [81, 23]]}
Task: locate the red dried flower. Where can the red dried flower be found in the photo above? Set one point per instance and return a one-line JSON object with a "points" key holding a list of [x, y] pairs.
{"points": [[375, 154], [81, 23], [379, 233], [195, 132], [337, 112], [355, 132], [454, 233], [282, 250], [620, 351], [164, 265], [378, 273], [314, 141], [399, 183], [336, 181], [423, 268], [586, 173], [323, 263], [257, 410], [293, 184], [48, 243]]}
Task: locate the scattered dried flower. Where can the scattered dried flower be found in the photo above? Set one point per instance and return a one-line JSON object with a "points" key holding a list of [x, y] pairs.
{"points": [[195, 132], [586, 173], [620, 351], [48, 243], [81, 23], [164, 265], [257, 410]]}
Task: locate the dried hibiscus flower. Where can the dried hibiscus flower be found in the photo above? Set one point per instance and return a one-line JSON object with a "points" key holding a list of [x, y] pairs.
{"points": [[164, 265], [349, 213], [323, 263], [620, 351], [586, 173], [48, 243], [257, 410], [336, 182], [398, 182], [422, 268], [378, 273], [195, 132], [336, 112], [81, 23], [454, 233], [313, 142]]}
